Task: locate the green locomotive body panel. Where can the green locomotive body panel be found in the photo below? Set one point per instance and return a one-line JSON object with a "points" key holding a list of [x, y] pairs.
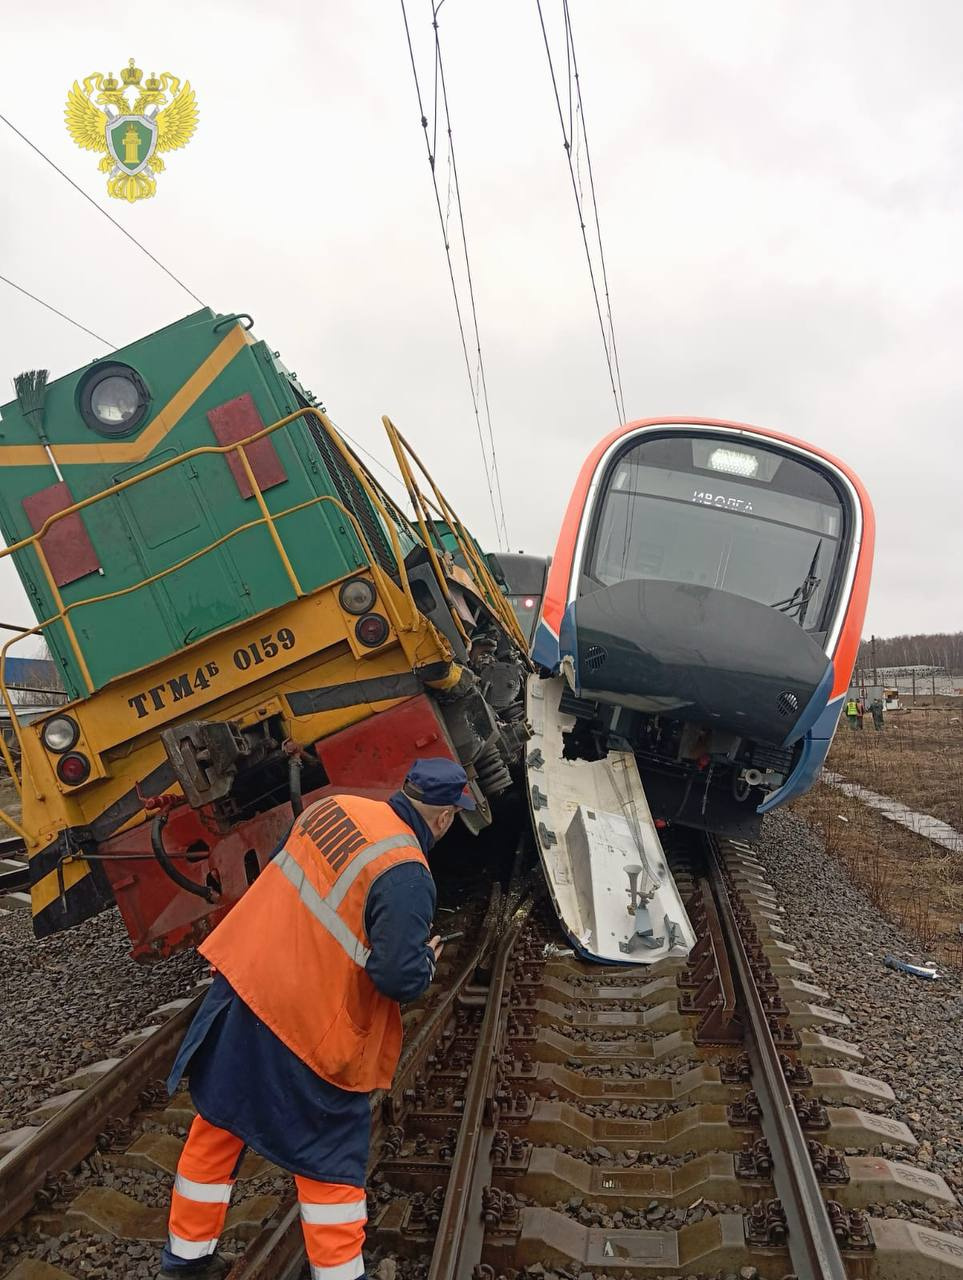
{"points": [[190, 369]]}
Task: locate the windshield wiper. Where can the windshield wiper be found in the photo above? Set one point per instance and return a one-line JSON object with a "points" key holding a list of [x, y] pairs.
{"points": [[800, 598]]}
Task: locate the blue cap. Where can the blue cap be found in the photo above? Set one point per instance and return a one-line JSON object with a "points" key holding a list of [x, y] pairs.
{"points": [[439, 781]]}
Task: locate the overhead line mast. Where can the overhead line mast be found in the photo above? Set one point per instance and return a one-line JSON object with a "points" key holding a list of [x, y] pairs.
{"points": [[577, 121], [477, 379]]}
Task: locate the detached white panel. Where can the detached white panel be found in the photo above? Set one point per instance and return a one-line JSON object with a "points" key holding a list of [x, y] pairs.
{"points": [[599, 847]]}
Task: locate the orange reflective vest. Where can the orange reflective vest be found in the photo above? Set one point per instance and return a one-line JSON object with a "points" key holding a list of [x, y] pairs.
{"points": [[295, 947]]}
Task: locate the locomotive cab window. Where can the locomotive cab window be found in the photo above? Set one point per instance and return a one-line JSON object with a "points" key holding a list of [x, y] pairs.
{"points": [[727, 513]]}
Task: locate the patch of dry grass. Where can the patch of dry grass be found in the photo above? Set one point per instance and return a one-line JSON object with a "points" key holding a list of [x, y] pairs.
{"points": [[918, 885], [917, 759]]}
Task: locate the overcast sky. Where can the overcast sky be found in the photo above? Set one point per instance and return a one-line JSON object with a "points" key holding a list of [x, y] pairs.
{"points": [[780, 188]]}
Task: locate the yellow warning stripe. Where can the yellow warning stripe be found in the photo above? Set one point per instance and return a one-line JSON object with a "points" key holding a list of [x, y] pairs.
{"points": [[34, 455]]}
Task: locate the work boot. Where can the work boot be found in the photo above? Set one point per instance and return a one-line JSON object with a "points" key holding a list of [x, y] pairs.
{"points": [[210, 1268]]}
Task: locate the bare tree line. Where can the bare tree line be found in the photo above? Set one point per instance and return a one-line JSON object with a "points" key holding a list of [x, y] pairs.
{"points": [[939, 649]]}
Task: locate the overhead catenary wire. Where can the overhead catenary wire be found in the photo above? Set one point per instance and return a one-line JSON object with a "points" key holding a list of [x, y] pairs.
{"points": [[492, 480], [76, 323], [26, 292], [471, 286], [100, 209], [576, 113], [595, 206], [63, 315]]}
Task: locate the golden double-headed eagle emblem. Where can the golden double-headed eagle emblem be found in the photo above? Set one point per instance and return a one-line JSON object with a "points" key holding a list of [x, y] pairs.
{"points": [[163, 117]]}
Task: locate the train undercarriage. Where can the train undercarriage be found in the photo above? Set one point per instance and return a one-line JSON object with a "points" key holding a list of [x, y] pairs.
{"points": [[694, 775]]}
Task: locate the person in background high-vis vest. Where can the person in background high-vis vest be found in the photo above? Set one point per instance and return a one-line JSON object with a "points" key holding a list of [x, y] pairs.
{"points": [[852, 712], [302, 1021]]}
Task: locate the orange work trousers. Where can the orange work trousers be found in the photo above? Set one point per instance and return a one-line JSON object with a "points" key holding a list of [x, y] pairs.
{"points": [[332, 1214]]}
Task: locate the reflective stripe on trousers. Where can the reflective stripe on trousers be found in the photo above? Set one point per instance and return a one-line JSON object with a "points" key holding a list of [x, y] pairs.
{"points": [[333, 1214], [343, 1271], [332, 1219], [202, 1190]]}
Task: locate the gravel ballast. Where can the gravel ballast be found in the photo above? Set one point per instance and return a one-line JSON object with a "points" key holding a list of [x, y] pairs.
{"points": [[68, 1000], [910, 1030]]}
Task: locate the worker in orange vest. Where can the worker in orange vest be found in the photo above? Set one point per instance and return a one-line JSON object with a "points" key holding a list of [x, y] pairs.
{"points": [[302, 1021]]}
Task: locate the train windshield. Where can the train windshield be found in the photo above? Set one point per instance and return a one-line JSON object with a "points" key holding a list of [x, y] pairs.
{"points": [[721, 512]]}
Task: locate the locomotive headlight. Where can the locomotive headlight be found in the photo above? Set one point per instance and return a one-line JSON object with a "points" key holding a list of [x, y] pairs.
{"points": [[357, 596], [60, 734], [734, 462], [113, 399]]}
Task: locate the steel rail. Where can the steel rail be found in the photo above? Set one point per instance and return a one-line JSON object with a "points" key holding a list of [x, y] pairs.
{"points": [[15, 845], [18, 878], [276, 1252], [72, 1133], [813, 1247], [15, 881], [418, 1047], [459, 1240]]}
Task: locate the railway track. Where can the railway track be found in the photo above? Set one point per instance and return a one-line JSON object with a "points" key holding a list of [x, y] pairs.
{"points": [[97, 1173], [690, 1122], [14, 873], [552, 1117]]}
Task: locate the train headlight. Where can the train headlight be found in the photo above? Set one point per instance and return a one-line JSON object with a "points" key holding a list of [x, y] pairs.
{"points": [[113, 399], [734, 462], [357, 596], [60, 734]]}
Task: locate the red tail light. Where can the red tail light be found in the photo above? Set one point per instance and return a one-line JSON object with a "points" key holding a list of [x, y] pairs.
{"points": [[73, 769], [372, 630]]}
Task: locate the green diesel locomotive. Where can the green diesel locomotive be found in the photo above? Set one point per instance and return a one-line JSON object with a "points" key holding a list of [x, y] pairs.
{"points": [[242, 617]]}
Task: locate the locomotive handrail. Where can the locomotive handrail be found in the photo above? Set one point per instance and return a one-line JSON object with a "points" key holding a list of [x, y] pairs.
{"points": [[468, 549], [35, 540], [496, 599], [377, 572], [388, 512], [428, 538], [12, 823], [375, 498]]}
